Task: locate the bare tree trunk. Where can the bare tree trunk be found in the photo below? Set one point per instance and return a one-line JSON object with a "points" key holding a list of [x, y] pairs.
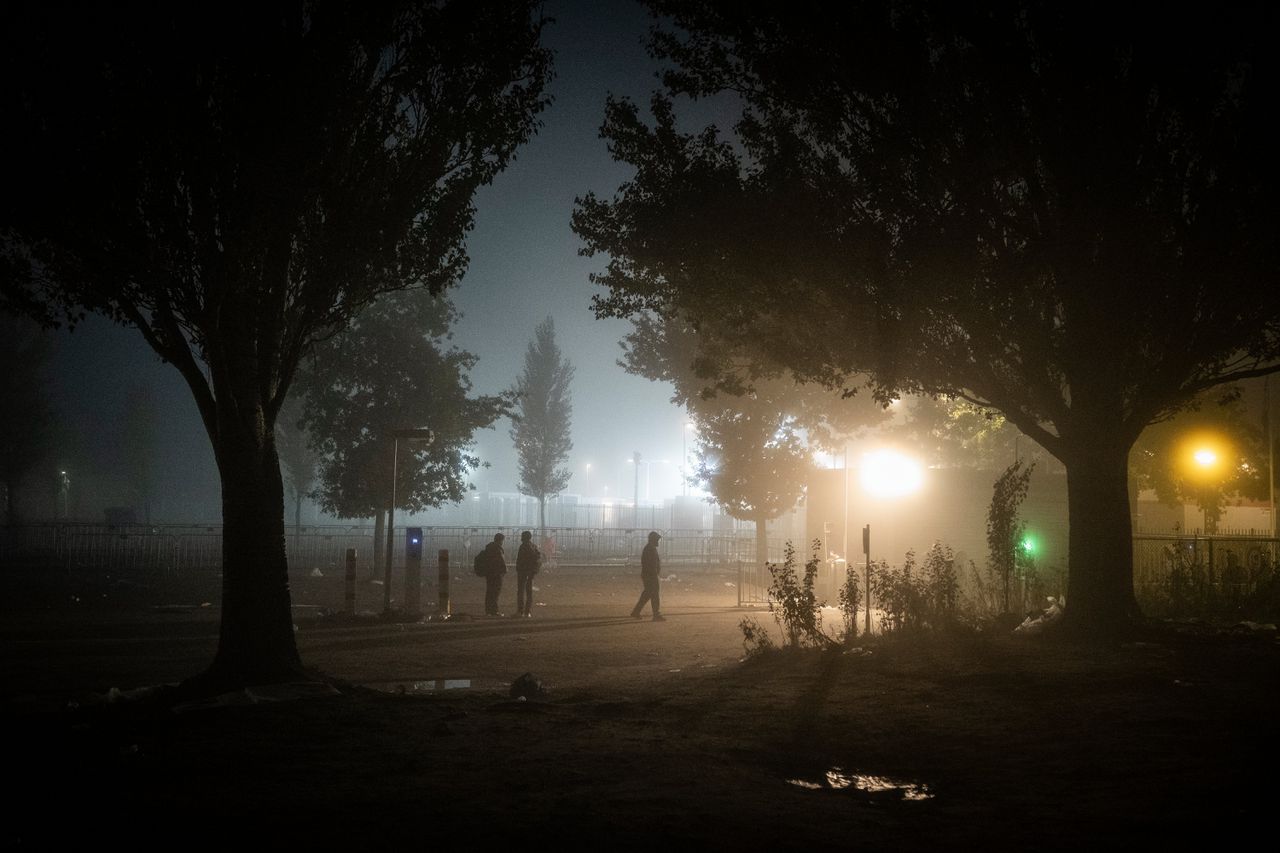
{"points": [[1100, 599], [256, 643]]}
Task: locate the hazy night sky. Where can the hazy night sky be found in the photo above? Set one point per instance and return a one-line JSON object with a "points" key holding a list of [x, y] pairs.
{"points": [[524, 266]]}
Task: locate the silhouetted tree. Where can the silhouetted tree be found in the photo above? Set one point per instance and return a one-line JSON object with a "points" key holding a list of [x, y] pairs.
{"points": [[27, 421], [757, 428], [298, 461], [751, 459], [236, 185], [541, 428], [1067, 220], [393, 369]]}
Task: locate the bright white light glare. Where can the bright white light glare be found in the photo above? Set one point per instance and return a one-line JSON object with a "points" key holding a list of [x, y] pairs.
{"points": [[888, 474], [1206, 457]]}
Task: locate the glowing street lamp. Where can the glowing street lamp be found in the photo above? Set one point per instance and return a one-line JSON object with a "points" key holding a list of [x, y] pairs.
{"points": [[1204, 458], [890, 474]]}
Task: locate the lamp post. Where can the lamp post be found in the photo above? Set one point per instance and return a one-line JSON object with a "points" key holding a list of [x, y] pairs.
{"points": [[885, 475], [1206, 460], [635, 500], [586, 483], [61, 505], [684, 458], [414, 436]]}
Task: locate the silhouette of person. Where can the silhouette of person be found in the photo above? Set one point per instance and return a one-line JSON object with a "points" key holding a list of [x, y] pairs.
{"points": [[650, 567], [528, 560], [495, 563]]}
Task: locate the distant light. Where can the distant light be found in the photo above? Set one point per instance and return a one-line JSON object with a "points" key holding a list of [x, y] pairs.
{"points": [[1029, 545], [1205, 458], [889, 474]]}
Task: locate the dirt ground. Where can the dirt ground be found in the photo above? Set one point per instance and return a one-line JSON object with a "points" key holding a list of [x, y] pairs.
{"points": [[648, 733]]}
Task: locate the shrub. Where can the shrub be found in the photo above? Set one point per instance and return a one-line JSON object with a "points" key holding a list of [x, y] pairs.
{"points": [[849, 599], [755, 639], [913, 596], [793, 601], [794, 605]]}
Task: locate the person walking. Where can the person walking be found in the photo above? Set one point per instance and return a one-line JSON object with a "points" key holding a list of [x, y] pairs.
{"points": [[650, 568], [528, 561], [495, 565]]}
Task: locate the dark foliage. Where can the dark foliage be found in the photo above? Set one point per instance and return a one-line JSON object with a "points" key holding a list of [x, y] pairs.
{"points": [[1068, 222], [236, 183]]}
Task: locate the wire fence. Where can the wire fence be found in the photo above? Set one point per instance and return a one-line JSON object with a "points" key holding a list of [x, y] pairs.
{"points": [[1174, 575], [1228, 574], [183, 550]]}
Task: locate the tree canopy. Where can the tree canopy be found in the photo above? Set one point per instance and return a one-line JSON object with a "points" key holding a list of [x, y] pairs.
{"points": [[1067, 221], [394, 368], [541, 428], [236, 184]]}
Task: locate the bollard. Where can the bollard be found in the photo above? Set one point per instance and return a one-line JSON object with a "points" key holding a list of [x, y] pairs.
{"points": [[413, 571], [351, 581], [443, 599]]}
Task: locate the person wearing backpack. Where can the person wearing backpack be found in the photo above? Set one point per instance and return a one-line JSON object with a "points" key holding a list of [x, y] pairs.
{"points": [[528, 561], [494, 562]]}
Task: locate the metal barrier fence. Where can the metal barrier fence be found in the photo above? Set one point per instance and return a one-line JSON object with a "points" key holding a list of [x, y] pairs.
{"points": [[143, 550], [1183, 575], [1173, 575]]}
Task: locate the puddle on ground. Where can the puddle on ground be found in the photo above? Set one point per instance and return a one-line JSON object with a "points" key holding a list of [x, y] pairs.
{"points": [[430, 685], [837, 779]]}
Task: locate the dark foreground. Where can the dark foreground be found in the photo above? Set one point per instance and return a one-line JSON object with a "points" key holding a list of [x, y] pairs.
{"points": [[649, 733]]}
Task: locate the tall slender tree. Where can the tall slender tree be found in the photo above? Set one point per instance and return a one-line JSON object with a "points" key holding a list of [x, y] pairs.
{"points": [[236, 185], [541, 426]]}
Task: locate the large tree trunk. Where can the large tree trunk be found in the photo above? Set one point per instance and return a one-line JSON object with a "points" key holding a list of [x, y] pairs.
{"points": [[1100, 599], [256, 643]]}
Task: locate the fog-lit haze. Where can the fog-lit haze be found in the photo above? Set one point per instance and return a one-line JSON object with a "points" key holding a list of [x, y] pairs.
{"points": [[524, 266]]}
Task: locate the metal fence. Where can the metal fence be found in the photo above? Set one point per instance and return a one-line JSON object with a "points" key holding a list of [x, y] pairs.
{"points": [[177, 550], [1205, 575]]}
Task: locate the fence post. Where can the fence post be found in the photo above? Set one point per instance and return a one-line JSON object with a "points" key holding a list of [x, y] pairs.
{"points": [[443, 592], [351, 581]]}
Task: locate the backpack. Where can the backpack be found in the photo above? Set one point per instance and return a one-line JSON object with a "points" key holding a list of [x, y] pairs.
{"points": [[478, 566]]}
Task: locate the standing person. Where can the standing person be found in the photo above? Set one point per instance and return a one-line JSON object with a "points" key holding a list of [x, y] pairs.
{"points": [[650, 567], [495, 566], [528, 561]]}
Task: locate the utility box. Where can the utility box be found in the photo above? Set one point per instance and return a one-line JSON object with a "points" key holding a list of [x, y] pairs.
{"points": [[413, 570]]}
